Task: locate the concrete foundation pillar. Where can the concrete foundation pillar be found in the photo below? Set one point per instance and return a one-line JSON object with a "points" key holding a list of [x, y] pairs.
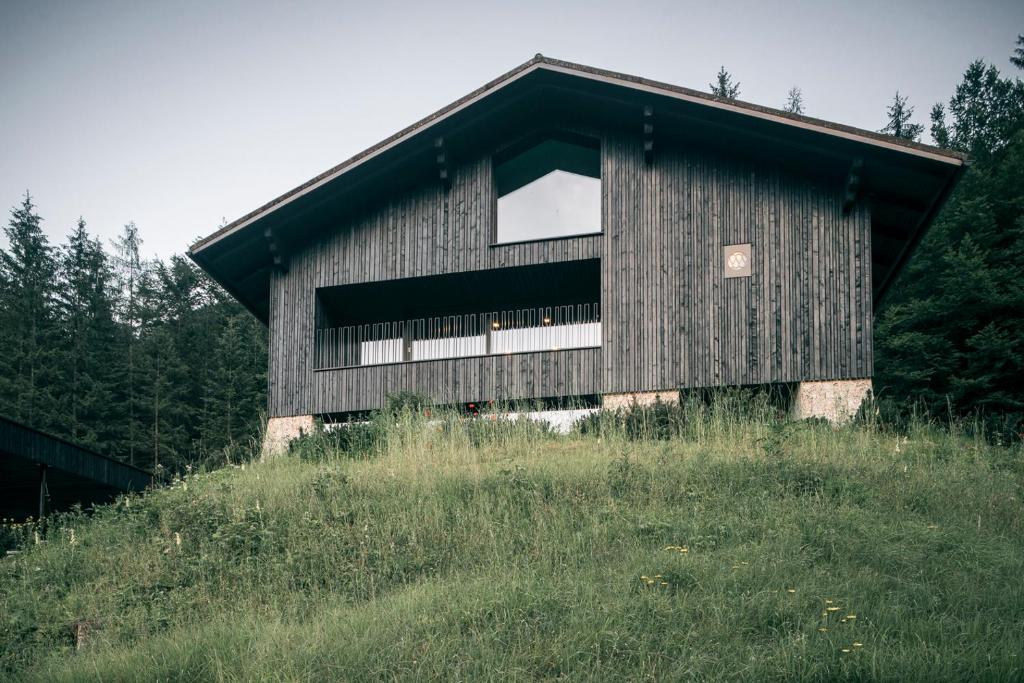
{"points": [[837, 401], [639, 398], [280, 432]]}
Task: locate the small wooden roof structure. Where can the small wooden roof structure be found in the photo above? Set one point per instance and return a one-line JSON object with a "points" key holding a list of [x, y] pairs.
{"points": [[905, 181], [39, 473]]}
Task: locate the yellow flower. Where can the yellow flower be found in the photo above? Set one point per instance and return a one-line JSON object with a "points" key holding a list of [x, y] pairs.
{"points": [[791, 590], [832, 609], [828, 602], [858, 645], [822, 629], [851, 617]]}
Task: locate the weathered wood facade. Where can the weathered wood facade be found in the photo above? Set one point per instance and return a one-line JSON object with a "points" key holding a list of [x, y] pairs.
{"points": [[670, 318]]}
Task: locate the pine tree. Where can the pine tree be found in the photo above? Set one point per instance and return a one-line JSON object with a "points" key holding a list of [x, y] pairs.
{"points": [[899, 125], [794, 101], [724, 85], [28, 334]]}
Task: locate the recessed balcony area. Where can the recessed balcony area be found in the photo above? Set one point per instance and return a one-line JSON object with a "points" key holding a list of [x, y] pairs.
{"points": [[527, 309]]}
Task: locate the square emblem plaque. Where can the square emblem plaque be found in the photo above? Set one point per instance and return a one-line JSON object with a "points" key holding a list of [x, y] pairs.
{"points": [[737, 260]]}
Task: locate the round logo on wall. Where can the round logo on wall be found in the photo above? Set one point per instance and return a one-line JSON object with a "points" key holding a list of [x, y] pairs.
{"points": [[737, 260]]}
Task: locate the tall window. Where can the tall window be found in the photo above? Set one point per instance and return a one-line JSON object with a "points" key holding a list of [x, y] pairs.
{"points": [[549, 188]]}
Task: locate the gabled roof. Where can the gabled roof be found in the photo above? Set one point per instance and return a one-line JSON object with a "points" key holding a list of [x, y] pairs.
{"points": [[912, 179]]}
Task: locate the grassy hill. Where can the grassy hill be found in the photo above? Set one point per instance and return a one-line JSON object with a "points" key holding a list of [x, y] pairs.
{"points": [[732, 547]]}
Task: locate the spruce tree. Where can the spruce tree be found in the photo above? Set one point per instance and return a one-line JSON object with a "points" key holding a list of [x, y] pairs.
{"points": [[1017, 58], [28, 333], [129, 273], [794, 101], [87, 353], [724, 85], [899, 124], [986, 111], [939, 131]]}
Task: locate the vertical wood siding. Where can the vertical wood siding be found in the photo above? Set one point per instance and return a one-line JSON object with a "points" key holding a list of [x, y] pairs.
{"points": [[669, 318]]}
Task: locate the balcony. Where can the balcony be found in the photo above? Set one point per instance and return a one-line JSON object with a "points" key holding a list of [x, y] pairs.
{"points": [[454, 316]]}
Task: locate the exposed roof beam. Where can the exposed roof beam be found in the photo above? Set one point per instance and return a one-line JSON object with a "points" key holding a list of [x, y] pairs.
{"points": [[648, 134], [852, 184], [278, 256], [441, 158]]}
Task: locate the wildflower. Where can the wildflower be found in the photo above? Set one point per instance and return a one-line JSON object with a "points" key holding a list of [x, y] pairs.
{"points": [[828, 602], [832, 609], [664, 583], [851, 617], [845, 649], [177, 539], [823, 629], [858, 644], [791, 590], [72, 540]]}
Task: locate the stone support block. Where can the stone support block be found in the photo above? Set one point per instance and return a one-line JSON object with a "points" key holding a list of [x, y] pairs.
{"points": [[837, 401], [281, 431], [642, 399]]}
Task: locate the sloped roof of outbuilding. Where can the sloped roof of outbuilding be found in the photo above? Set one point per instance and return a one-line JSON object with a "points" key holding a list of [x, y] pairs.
{"points": [[906, 181]]}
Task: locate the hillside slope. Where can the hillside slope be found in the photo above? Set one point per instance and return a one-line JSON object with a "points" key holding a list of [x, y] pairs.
{"points": [[743, 549]]}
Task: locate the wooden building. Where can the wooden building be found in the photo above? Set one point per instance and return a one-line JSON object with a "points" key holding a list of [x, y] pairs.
{"points": [[566, 231]]}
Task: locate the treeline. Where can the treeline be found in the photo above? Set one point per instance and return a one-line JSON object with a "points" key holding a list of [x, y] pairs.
{"points": [[950, 337], [145, 360]]}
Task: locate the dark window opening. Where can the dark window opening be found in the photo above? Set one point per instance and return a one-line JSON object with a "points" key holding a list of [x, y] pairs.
{"points": [[548, 189], [547, 307]]}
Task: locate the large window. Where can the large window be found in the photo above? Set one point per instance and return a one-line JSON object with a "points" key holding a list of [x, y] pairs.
{"points": [[544, 307], [549, 188]]}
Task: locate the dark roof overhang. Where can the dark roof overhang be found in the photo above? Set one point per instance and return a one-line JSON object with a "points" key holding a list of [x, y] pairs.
{"points": [[905, 182], [72, 474]]}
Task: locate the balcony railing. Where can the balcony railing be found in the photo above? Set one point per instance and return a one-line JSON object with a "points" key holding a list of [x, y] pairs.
{"points": [[547, 328]]}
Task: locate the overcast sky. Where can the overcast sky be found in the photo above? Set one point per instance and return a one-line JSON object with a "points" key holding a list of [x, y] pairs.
{"points": [[178, 115]]}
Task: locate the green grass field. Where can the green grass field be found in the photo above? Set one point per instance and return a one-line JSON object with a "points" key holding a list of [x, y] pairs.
{"points": [[738, 548]]}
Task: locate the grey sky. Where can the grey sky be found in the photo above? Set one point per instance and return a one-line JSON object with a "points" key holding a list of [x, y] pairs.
{"points": [[180, 114]]}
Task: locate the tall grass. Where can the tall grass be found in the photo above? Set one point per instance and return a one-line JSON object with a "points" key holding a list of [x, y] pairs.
{"points": [[708, 541]]}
